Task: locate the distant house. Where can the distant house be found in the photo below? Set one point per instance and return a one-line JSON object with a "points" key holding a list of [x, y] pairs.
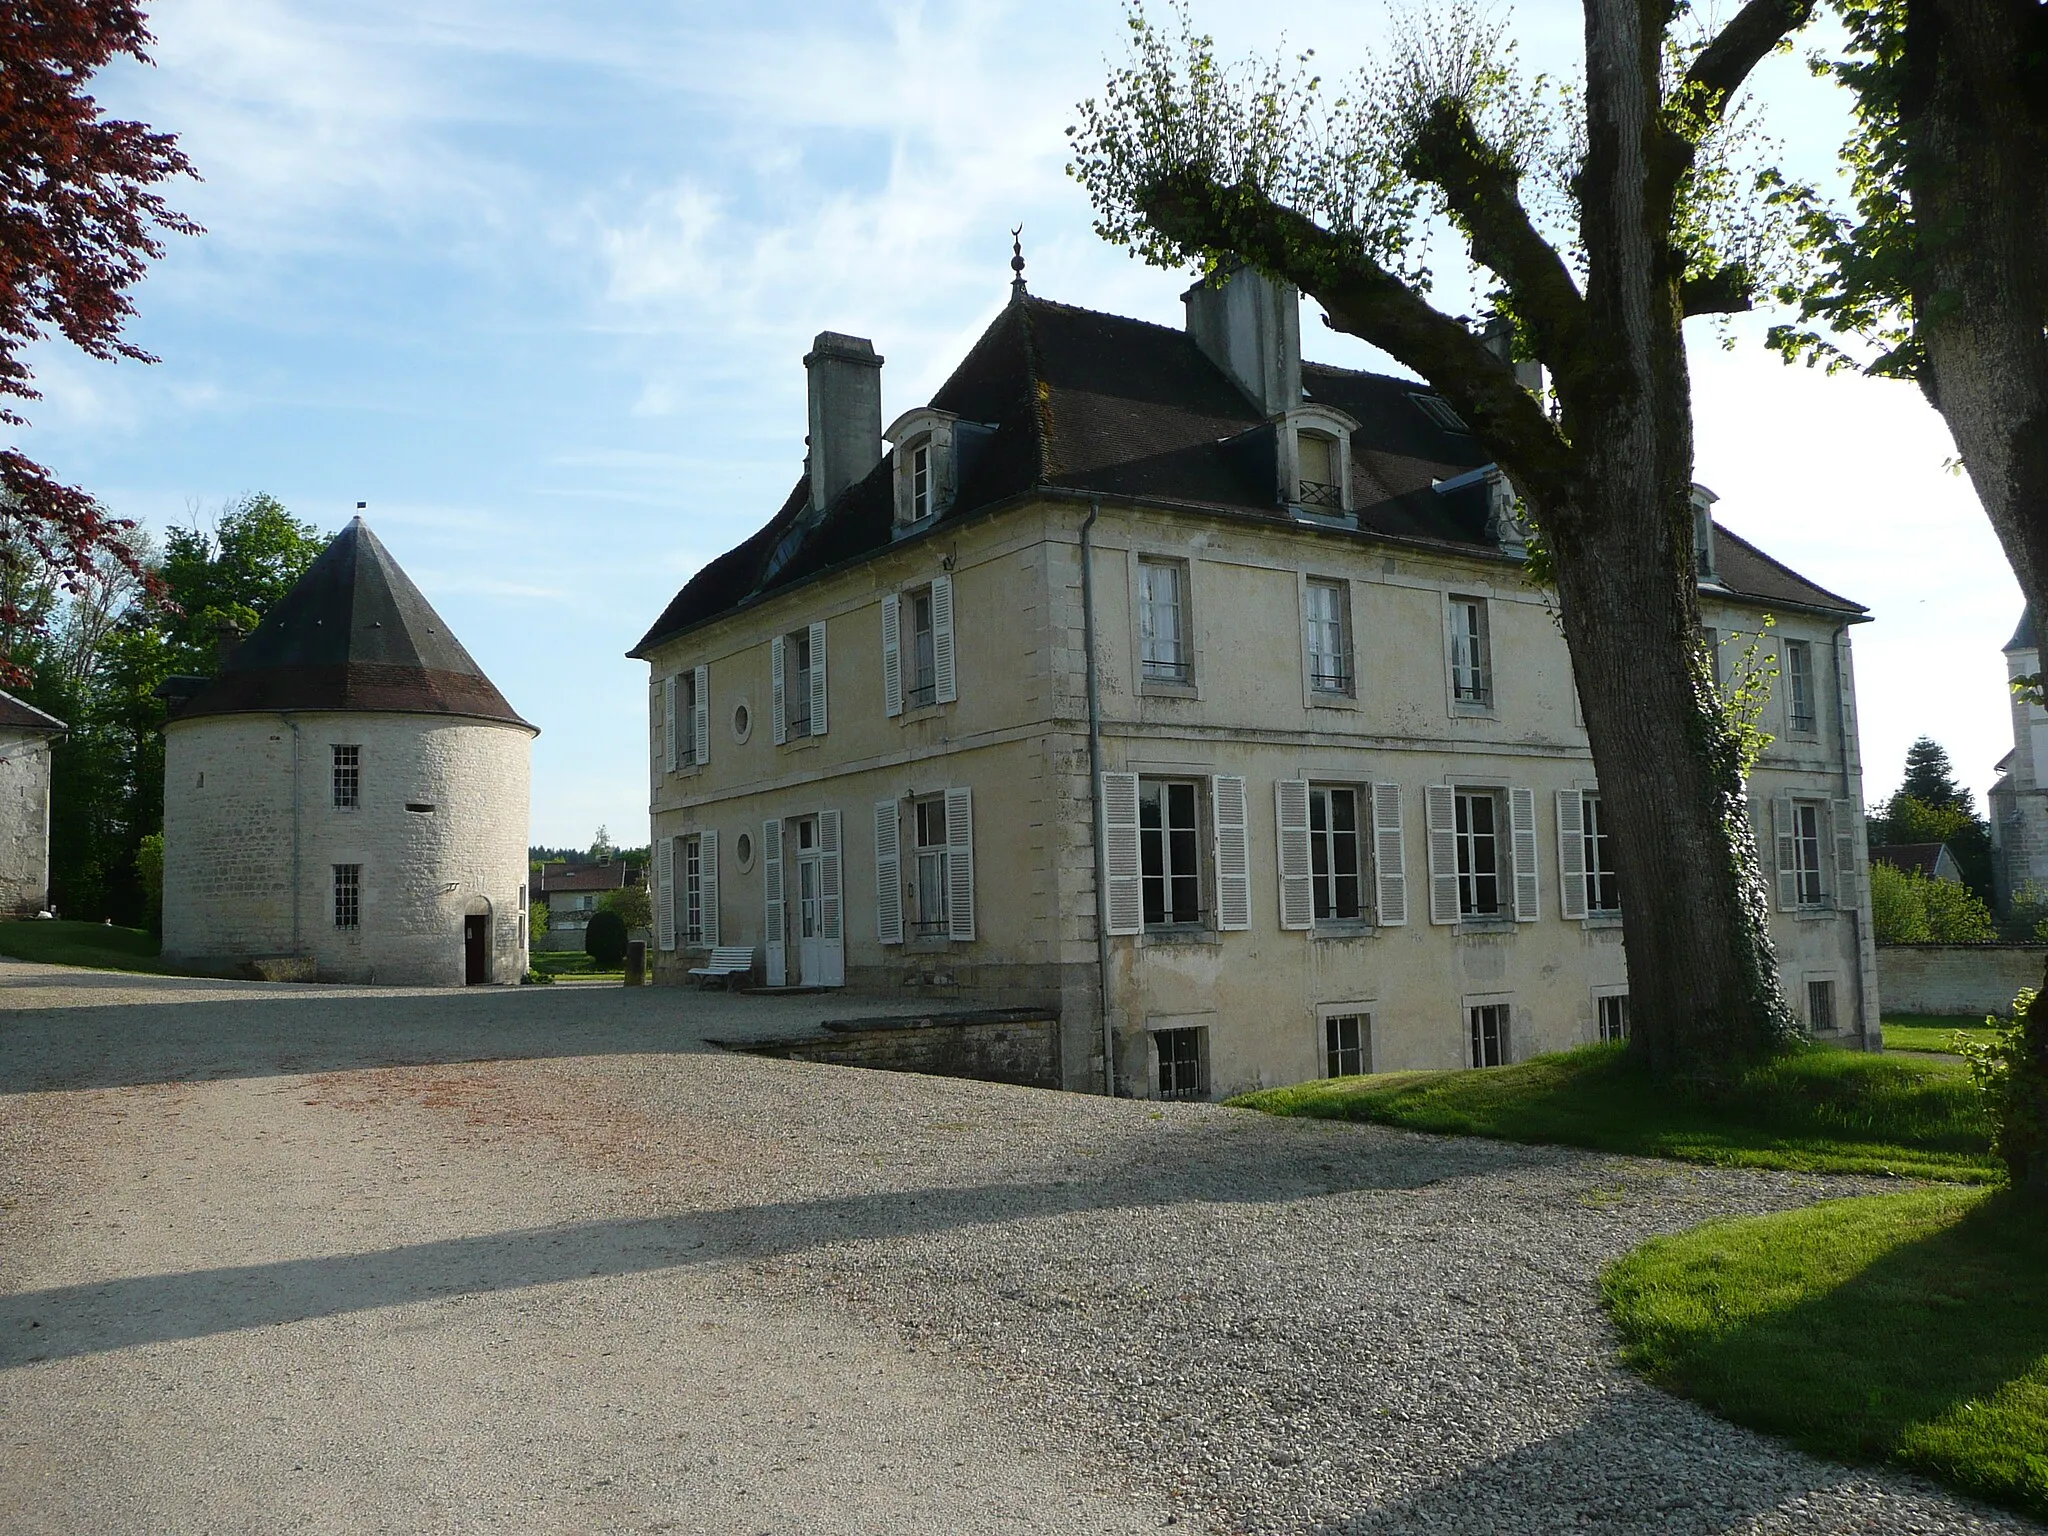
{"points": [[572, 892], [1930, 859], [25, 737], [2019, 800]]}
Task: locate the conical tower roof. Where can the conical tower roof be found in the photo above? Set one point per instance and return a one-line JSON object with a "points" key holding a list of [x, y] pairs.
{"points": [[353, 634]]}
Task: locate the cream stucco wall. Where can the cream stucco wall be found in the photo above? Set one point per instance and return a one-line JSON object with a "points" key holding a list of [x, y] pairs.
{"points": [[248, 799], [24, 823], [1018, 737]]}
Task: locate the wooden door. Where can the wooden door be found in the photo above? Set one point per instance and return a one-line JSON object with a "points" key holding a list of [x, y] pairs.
{"points": [[476, 932]]}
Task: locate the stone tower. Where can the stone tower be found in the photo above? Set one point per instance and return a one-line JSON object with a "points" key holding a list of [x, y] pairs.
{"points": [[347, 798]]}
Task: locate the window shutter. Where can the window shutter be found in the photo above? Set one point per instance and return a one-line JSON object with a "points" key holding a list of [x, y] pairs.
{"points": [[707, 881], [831, 917], [1390, 855], [665, 893], [960, 863], [1571, 853], [1522, 822], [1123, 904], [892, 654], [1233, 852], [818, 679], [700, 727], [943, 689], [1788, 853], [780, 709], [1843, 815], [1440, 808], [888, 873], [771, 894], [1290, 819], [668, 720]]}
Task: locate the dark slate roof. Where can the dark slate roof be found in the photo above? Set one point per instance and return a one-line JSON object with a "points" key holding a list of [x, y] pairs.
{"points": [[583, 877], [1099, 404], [15, 715], [353, 634], [1910, 858], [2026, 637]]}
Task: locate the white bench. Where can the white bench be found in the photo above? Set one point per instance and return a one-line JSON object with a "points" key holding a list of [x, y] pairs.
{"points": [[727, 961]]}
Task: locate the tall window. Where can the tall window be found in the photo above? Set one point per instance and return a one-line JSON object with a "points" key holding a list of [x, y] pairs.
{"points": [[1181, 1074], [1170, 847], [1806, 851], [1820, 1006], [693, 891], [348, 778], [1613, 1013], [348, 895], [930, 917], [1603, 887], [1320, 463], [686, 718], [1478, 823], [1329, 637], [921, 481], [796, 653], [1471, 663], [924, 677], [1344, 1045], [1799, 714], [1489, 1035], [1336, 867], [1163, 621]]}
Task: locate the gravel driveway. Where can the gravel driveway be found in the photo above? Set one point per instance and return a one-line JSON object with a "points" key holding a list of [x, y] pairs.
{"points": [[321, 1259]]}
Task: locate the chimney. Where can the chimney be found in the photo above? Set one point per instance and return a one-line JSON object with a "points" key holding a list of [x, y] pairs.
{"points": [[1498, 336], [227, 634], [846, 413], [1249, 325]]}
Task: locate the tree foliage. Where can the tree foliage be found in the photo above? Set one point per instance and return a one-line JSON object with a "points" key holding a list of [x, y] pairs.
{"points": [[2012, 1070], [1930, 807], [631, 903], [79, 226], [1909, 908]]}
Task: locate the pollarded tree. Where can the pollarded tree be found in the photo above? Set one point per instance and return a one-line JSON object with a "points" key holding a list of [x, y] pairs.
{"points": [[1191, 162]]}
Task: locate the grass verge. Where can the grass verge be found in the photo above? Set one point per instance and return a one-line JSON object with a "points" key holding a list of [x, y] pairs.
{"points": [[1821, 1111], [55, 941], [570, 962], [1908, 1328], [1932, 1031]]}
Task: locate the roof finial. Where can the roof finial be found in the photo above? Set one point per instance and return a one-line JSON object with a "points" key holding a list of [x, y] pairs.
{"points": [[1017, 288]]}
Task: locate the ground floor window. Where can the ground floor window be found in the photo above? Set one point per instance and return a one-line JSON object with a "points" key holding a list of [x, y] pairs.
{"points": [[1183, 1067], [1820, 1006], [1477, 830], [348, 895], [1613, 1017], [693, 891], [930, 918], [1489, 1035], [1344, 1037], [1335, 865], [1169, 839]]}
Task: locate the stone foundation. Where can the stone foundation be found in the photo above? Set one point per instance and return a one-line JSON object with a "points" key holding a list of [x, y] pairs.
{"points": [[1016, 1045]]}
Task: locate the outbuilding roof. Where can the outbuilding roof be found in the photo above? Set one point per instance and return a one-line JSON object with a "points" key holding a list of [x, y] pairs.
{"points": [[16, 715], [354, 634], [1091, 403]]}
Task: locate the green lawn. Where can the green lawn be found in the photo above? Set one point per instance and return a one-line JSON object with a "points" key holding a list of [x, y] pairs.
{"points": [[1819, 1110], [57, 942], [1932, 1031], [1909, 1328], [571, 962]]}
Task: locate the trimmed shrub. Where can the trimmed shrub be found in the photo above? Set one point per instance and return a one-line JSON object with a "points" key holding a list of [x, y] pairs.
{"points": [[605, 939]]}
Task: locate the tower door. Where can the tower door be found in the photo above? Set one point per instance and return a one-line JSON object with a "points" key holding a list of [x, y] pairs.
{"points": [[476, 953]]}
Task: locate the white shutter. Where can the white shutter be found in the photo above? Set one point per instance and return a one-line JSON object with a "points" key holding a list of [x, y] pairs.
{"points": [[888, 873], [1843, 815], [1122, 906], [780, 710], [892, 654], [707, 882], [942, 640], [818, 679], [771, 893], [960, 863], [1571, 853], [1390, 855], [665, 892], [668, 720], [1783, 832], [1290, 818], [700, 726], [831, 920], [1522, 824], [1233, 852], [1440, 810]]}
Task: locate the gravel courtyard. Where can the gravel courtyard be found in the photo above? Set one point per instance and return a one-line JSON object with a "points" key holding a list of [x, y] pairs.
{"points": [[316, 1259]]}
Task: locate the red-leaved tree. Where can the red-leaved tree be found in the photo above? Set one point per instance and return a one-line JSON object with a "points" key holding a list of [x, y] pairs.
{"points": [[78, 226]]}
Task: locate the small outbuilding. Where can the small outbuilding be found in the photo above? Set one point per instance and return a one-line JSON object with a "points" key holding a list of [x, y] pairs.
{"points": [[25, 737], [347, 799]]}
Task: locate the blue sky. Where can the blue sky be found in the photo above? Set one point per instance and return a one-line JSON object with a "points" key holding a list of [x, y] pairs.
{"points": [[534, 280]]}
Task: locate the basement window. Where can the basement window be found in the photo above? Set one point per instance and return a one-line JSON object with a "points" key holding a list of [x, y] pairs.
{"points": [[424, 807], [1183, 1067]]}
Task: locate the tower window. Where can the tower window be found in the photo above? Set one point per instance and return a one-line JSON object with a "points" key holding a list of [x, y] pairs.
{"points": [[348, 777]]}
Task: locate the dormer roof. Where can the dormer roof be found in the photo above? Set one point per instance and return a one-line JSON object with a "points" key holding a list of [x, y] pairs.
{"points": [[354, 634]]}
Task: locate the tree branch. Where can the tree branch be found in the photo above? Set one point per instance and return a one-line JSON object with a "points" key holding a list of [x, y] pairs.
{"points": [[1363, 299], [1728, 290], [1725, 63]]}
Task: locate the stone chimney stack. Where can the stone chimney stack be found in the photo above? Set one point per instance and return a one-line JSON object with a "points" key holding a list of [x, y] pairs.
{"points": [[846, 413], [1250, 326], [227, 634], [1499, 336]]}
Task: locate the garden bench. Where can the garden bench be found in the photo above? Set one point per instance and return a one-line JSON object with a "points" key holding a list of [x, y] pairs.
{"points": [[727, 961]]}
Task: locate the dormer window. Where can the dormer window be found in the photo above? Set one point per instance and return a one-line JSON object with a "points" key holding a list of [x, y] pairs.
{"points": [[1703, 534], [1318, 486], [921, 481], [935, 454], [1315, 462]]}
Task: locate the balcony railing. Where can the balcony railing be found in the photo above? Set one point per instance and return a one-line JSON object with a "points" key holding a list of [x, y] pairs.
{"points": [[1314, 493]]}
